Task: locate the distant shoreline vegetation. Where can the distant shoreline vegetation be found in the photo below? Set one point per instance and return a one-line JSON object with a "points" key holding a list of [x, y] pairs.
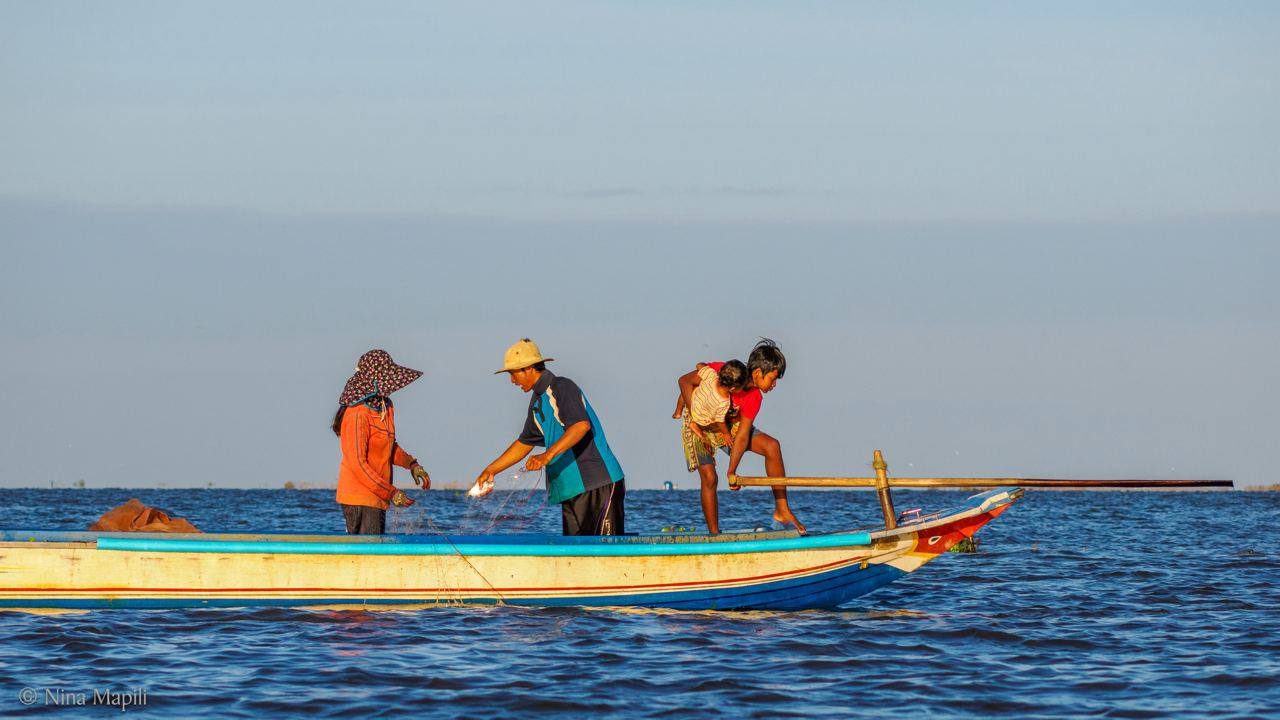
{"points": [[291, 485]]}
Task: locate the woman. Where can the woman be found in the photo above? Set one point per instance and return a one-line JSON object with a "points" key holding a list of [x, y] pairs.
{"points": [[365, 425]]}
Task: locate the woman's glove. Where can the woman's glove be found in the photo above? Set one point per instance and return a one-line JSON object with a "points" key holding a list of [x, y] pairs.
{"points": [[420, 476]]}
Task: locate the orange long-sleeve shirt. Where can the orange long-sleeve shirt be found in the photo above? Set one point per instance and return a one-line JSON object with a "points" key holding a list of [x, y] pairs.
{"points": [[368, 450]]}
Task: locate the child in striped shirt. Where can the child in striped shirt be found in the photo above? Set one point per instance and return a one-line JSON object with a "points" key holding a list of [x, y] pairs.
{"points": [[709, 400]]}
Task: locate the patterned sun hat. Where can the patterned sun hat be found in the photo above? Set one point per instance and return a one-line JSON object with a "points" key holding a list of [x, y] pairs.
{"points": [[376, 374]]}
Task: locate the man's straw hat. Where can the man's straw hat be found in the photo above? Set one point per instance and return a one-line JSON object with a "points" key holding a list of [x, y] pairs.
{"points": [[521, 355]]}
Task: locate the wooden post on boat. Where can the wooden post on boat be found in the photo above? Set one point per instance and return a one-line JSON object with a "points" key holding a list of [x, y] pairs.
{"points": [[882, 491]]}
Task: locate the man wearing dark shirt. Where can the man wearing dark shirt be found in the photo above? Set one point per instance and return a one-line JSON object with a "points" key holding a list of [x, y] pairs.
{"points": [[582, 473]]}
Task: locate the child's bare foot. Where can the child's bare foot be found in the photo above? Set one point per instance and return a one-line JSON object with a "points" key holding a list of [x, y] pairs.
{"points": [[786, 517]]}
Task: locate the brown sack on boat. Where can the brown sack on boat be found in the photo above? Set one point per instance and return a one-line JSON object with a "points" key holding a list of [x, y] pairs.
{"points": [[133, 516]]}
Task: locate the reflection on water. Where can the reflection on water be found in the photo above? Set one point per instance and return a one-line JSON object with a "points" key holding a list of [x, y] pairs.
{"points": [[1118, 604]]}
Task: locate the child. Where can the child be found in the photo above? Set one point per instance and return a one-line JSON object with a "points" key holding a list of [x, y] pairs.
{"points": [[765, 366], [709, 404], [365, 425]]}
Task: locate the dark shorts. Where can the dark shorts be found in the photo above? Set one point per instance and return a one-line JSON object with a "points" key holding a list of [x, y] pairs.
{"points": [[706, 457], [595, 512], [362, 520]]}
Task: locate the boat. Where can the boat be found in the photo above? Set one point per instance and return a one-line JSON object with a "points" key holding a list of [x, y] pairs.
{"points": [[43, 570], [782, 570]]}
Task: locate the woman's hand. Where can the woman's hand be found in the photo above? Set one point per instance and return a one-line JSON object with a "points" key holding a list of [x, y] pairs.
{"points": [[420, 476]]}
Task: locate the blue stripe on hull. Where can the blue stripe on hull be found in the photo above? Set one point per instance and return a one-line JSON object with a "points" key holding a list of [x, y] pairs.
{"points": [[593, 549], [822, 591]]}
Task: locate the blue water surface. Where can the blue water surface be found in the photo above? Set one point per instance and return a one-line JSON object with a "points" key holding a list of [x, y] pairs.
{"points": [[1078, 604]]}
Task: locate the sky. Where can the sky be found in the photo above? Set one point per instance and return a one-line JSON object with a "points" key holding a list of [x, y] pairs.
{"points": [[993, 239]]}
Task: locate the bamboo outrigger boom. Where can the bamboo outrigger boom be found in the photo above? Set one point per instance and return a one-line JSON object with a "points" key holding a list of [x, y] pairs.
{"points": [[882, 482], [974, 482]]}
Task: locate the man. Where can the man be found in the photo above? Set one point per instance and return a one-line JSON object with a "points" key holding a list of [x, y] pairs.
{"points": [[582, 473]]}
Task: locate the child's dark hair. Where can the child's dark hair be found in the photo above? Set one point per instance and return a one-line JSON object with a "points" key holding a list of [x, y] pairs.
{"points": [[733, 376], [767, 357]]}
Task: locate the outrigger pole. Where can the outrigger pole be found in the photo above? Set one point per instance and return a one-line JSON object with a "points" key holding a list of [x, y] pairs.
{"points": [[882, 482]]}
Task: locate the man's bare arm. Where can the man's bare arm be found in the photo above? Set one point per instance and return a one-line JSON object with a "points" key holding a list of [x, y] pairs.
{"points": [[572, 435], [512, 455]]}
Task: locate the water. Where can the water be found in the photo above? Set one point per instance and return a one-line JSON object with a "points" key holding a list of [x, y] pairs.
{"points": [[1131, 605]]}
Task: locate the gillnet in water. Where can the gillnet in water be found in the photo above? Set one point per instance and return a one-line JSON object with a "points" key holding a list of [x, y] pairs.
{"points": [[514, 504], [516, 501]]}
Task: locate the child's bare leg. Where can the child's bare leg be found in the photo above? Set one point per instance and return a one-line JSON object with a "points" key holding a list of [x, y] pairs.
{"points": [[768, 446], [710, 507]]}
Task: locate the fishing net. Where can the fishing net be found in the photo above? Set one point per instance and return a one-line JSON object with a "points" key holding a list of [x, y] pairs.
{"points": [[515, 504]]}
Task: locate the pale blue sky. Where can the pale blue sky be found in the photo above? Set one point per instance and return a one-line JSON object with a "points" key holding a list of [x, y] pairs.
{"points": [[992, 238], [862, 111]]}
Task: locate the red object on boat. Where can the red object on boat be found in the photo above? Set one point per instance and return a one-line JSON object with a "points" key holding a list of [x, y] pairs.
{"points": [[133, 516]]}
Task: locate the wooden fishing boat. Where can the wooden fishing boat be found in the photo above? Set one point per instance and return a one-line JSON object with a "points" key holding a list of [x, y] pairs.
{"points": [[730, 571]]}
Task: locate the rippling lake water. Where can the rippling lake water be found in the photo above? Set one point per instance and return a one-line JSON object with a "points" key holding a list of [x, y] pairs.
{"points": [[1109, 604]]}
